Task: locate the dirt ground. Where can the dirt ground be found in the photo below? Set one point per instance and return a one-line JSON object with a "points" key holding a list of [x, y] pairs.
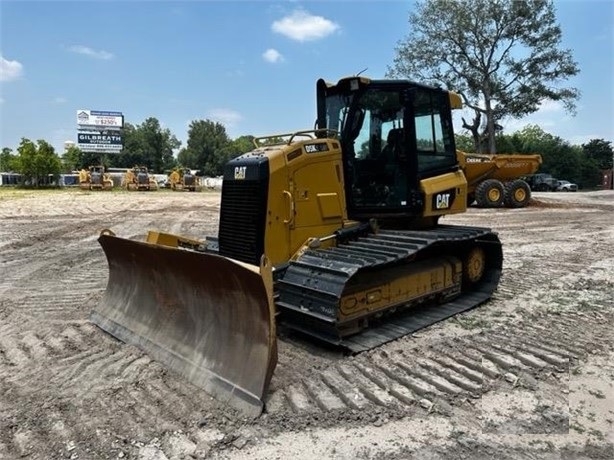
{"points": [[530, 374]]}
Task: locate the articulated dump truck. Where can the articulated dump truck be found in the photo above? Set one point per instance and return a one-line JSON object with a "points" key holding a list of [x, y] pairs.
{"points": [[496, 180], [332, 232]]}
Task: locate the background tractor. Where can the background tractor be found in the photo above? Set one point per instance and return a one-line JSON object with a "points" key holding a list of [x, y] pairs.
{"points": [[138, 178], [95, 178], [184, 179]]}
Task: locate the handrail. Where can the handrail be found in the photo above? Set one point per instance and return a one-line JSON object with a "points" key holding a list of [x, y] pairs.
{"points": [[290, 218], [330, 134]]}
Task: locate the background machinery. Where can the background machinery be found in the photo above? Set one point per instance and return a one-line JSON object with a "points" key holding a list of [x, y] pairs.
{"points": [[333, 232], [184, 179], [138, 178], [94, 178], [497, 180], [542, 182]]}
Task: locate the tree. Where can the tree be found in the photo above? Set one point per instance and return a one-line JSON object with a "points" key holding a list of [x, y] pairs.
{"points": [[36, 162], [7, 160], [147, 144], [464, 142], [502, 57], [72, 159], [207, 147], [559, 157], [158, 144], [600, 151], [242, 144]]}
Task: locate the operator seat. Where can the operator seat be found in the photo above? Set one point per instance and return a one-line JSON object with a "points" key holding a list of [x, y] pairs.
{"points": [[393, 152]]}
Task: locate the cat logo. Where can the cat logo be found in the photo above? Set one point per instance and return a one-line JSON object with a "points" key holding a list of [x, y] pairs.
{"points": [[444, 200], [240, 172]]}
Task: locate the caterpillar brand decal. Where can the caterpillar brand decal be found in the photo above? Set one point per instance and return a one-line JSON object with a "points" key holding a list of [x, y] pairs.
{"points": [[444, 200], [240, 172], [314, 148]]}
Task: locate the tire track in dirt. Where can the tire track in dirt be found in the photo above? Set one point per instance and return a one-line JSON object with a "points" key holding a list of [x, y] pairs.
{"points": [[80, 366], [97, 397], [445, 373]]}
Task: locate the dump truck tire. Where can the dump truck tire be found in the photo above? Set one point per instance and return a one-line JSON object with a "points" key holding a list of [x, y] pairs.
{"points": [[490, 194], [517, 194], [209, 318]]}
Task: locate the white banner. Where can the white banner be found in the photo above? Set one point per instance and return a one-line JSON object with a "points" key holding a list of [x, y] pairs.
{"points": [[99, 147], [100, 119]]}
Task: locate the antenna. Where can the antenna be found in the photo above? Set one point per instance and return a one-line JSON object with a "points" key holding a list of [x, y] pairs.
{"points": [[358, 74]]}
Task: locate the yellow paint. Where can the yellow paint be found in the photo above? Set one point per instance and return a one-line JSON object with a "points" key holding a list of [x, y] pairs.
{"points": [[399, 285]]}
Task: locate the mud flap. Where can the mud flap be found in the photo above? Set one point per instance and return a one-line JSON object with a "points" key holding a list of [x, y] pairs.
{"points": [[209, 318]]}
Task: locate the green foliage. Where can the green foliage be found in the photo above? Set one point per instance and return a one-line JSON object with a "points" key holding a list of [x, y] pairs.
{"points": [[72, 159], [7, 160], [600, 151], [241, 145], [464, 142], [208, 147], [560, 158], [503, 58], [147, 144], [36, 162]]}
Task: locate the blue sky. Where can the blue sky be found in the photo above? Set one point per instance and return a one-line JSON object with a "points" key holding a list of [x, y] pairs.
{"points": [[251, 65]]}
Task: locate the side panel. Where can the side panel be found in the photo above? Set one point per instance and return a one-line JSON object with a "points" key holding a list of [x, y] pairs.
{"points": [[445, 194], [317, 184]]}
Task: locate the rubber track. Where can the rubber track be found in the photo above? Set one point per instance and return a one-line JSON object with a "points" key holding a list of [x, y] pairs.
{"points": [[311, 287]]}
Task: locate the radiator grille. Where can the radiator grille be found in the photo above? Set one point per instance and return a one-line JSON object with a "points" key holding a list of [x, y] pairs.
{"points": [[242, 220]]}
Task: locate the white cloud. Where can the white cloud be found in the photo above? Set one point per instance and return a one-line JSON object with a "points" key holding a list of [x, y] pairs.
{"points": [[10, 70], [272, 55], [227, 117], [550, 116], [90, 52], [580, 139], [548, 106], [303, 26]]}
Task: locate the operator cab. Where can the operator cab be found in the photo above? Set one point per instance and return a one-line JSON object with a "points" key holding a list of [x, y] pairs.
{"points": [[392, 134]]}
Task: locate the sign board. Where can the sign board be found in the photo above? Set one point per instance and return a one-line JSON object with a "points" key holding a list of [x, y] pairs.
{"points": [[99, 141], [92, 137], [100, 148], [100, 119]]}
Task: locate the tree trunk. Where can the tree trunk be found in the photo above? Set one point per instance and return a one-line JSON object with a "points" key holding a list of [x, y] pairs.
{"points": [[474, 128], [490, 122]]}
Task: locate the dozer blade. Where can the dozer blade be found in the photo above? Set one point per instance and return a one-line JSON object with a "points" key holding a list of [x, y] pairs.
{"points": [[209, 318]]}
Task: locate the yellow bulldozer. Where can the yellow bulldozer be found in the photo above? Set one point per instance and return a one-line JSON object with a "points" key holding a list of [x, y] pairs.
{"points": [[138, 178], [94, 178], [184, 179], [332, 232]]}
